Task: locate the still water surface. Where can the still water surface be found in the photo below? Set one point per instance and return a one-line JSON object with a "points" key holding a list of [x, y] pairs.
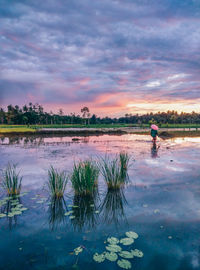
{"points": [[161, 203]]}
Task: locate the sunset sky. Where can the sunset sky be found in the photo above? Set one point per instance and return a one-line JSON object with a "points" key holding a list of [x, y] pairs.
{"points": [[116, 57]]}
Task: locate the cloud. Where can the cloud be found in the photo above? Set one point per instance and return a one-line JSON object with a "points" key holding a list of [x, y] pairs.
{"points": [[94, 53]]}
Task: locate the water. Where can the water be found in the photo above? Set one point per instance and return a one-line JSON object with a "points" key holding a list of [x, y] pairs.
{"points": [[161, 203]]}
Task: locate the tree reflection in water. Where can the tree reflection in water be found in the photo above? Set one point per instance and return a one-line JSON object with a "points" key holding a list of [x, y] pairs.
{"points": [[112, 207]]}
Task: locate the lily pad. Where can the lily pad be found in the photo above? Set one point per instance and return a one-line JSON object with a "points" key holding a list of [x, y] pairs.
{"points": [[78, 250], [2, 215], [111, 256], [71, 217], [112, 240], [126, 241], [23, 209], [131, 234], [137, 253], [99, 257], [17, 212], [126, 254], [125, 264], [68, 213], [10, 215], [113, 248]]}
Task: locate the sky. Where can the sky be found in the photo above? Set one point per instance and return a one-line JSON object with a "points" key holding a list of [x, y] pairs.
{"points": [[114, 56]]}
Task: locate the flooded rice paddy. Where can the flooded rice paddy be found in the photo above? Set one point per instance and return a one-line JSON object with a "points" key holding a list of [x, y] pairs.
{"points": [[161, 204]]}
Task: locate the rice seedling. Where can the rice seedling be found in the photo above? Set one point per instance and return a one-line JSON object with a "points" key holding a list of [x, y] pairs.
{"points": [[57, 182], [84, 177], [11, 180], [110, 170], [115, 171]]}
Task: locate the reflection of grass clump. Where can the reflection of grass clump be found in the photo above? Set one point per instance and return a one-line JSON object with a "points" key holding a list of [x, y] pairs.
{"points": [[113, 206], [84, 177], [115, 171], [84, 211], [57, 182], [12, 180], [57, 210]]}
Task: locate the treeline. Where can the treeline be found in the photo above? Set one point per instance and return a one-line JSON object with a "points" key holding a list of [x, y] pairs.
{"points": [[34, 114]]}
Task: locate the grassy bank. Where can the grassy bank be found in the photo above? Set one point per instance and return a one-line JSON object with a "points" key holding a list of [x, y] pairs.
{"points": [[64, 130], [70, 126], [101, 126], [15, 130]]}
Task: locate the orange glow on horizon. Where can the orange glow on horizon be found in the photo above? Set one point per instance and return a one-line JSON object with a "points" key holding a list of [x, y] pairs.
{"points": [[111, 105]]}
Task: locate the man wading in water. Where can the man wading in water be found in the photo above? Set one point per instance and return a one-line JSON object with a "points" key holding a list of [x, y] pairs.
{"points": [[154, 132]]}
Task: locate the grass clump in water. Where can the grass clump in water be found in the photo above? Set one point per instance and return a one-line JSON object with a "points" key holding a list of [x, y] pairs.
{"points": [[84, 177], [12, 180], [124, 159], [57, 182], [115, 171]]}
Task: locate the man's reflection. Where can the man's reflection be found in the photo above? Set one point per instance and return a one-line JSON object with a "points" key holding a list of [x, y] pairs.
{"points": [[154, 150]]}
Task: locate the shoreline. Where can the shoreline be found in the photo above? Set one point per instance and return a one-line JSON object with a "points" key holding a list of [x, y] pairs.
{"points": [[164, 133]]}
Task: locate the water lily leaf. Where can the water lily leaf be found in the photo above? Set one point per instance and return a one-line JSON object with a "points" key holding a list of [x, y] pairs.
{"points": [[126, 254], [71, 217], [75, 206], [10, 215], [131, 234], [14, 203], [125, 264], [96, 212], [23, 209], [68, 213], [112, 240], [17, 212], [126, 241], [113, 248], [111, 256], [156, 211], [99, 257], [2, 215], [137, 253], [78, 250], [75, 267]]}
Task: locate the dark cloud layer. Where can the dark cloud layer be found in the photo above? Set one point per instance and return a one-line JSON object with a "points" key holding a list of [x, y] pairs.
{"points": [[102, 53]]}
